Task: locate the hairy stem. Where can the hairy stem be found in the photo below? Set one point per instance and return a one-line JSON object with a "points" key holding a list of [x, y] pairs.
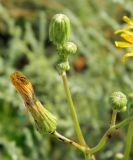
{"points": [[68, 141], [72, 110], [113, 120], [74, 144], [129, 140]]}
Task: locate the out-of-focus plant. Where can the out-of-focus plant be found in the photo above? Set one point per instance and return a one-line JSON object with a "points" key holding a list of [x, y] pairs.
{"points": [[45, 122]]}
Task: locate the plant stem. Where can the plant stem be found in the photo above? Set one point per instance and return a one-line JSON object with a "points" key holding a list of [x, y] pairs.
{"points": [[100, 145], [89, 157], [72, 110], [103, 140], [113, 120], [68, 141], [129, 140], [74, 144]]}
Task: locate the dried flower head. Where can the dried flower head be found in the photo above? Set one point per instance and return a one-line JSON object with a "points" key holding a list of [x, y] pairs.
{"points": [[23, 86], [44, 120]]}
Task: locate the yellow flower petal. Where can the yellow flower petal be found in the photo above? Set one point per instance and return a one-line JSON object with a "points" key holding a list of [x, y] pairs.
{"points": [[127, 55], [127, 20], [122, 44], [125, 29], [128, 36], [118, 31]]}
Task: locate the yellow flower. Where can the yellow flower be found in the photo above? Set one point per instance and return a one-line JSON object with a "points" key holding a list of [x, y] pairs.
{"points": [[127, 34]]}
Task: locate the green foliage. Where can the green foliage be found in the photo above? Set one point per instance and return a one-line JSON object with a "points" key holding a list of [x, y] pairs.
{"points": [[24, 46]]}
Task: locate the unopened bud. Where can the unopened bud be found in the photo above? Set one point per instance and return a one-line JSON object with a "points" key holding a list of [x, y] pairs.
{"points": [[68, 48], [59, 29], [63, 66], [118, 101]]}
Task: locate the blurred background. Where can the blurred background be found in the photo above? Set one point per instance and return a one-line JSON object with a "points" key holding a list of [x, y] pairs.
{"points": [[96, 71]]}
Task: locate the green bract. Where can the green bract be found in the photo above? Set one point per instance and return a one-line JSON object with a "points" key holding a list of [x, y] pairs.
{"points": [[63, 66], [118, 101], [45, 121], [69, 48], [59, 29]]}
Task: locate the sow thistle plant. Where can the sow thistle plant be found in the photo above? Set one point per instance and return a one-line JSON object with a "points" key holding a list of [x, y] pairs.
{"points": [[46, 122]]}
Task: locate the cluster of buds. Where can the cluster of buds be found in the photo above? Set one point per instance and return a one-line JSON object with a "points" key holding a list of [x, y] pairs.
{"points": [[59, 32]]}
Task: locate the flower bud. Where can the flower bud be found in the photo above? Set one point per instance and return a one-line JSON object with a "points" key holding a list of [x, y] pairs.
{"points": [[63, 66], [118, 101], [119, 156], [59, 29], [68, 48]]}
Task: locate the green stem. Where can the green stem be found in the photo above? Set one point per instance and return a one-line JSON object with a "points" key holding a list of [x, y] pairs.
{"points": [[129, 140], [68, 141], [89, 157], [102, 142], [72, 110], [113, 120], [74, 144], [104, 139]]}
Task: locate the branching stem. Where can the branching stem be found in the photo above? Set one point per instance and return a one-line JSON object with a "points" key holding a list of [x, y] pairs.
{"points": [[105, 137], [102, 141]]}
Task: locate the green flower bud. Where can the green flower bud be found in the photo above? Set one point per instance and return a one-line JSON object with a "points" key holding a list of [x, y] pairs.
{"points": [[59, 29], [118, 101], [63, 66], [119, 156], [68, 48], [45, 121]]}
